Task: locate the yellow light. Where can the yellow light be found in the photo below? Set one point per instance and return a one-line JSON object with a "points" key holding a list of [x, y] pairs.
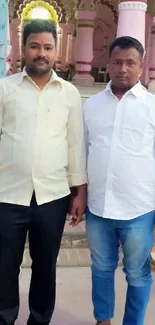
{"points": [[39, 13], [39, 9]]}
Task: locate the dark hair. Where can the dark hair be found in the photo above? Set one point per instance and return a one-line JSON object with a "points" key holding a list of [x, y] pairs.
{"points": [[127, 42], [37, 26]]}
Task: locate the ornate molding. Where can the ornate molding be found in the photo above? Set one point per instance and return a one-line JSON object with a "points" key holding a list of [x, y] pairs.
{"points": [[16, 7], [85, 5], [85, 23], [112, 4], [27, 12], [132, 5], [151, 7], [70, 7]]}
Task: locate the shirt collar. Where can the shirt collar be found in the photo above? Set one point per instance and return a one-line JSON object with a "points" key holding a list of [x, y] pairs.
{"points": [[54, 77], [135, 90]]}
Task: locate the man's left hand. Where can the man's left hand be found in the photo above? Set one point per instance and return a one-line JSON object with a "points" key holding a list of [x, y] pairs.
{"points": [[78, 206]]}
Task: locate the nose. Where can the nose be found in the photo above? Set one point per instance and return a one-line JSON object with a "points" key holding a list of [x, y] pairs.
{"points": [[123, 68], [42, 52]]}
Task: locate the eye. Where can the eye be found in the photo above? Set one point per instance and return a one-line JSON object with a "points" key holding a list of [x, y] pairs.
{"points": [[117, 63], [130, 63], [34, 47], [47, 48]]}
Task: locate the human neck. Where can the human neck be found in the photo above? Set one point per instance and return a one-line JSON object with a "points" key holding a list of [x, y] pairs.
{"points": [[40, 80], [120, 92]]}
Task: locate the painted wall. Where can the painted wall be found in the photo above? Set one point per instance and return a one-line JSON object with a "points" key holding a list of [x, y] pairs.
{"points": [[145, 75], [104, 33]]}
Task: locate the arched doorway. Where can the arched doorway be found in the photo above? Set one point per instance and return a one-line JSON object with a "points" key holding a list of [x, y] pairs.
{"points": [[105, 26]]}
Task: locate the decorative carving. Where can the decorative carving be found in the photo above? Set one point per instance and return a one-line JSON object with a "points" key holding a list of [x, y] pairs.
{"points": [[86, 4], [85, 23], [110, 4], [70, 7], [11, 6], [132, 5], [151, 7], [18, 6], [28, 10]]}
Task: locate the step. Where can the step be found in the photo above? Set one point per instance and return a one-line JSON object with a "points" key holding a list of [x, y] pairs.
{"points": [[72, 257], [68, 257], [73, 237], [74, 248]]}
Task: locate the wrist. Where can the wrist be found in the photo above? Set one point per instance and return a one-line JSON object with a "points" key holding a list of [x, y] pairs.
{"points": [[82, 190]]}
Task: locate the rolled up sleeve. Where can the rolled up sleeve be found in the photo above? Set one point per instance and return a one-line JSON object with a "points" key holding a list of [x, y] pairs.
{"points": [[76, 147]]}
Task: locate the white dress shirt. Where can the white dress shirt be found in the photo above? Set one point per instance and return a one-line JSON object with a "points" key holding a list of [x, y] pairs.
{"points": [[120, 139], [41, 139]]}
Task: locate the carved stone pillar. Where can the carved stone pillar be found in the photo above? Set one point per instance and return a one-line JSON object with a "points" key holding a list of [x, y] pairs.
{"points": [[131, 20], [64, 42], [84, 48], [59, 48], [16, 44], [70, 46], [85, 15]]}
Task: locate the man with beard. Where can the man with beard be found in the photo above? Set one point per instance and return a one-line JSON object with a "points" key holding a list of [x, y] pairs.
{"points": [[42, 156]]}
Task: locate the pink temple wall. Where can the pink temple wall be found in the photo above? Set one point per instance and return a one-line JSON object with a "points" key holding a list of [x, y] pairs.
{"points": [[145, 75], [104, 33], [105, 29]]}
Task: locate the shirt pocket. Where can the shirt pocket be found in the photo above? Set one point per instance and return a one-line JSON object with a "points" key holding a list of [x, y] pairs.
{"points": [[132, 133], [55, 119]]}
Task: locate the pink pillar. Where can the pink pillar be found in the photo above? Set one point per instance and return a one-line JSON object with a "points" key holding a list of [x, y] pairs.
{"points": [[69, 50], [73, 50], [59, 49], [9, 51], [132, 19], [84, 48], [64, 42], [16, 44], [152, 61]]}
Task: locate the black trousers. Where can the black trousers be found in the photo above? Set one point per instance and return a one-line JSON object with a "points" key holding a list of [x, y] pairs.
{"points": [[44, 225]]}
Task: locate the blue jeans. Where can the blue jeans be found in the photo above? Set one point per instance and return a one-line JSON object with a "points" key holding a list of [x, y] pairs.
{"points": [[136, 237]]}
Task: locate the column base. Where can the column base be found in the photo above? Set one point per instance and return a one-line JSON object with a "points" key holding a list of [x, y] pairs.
{"points": [[151, 86], [85, 80]]}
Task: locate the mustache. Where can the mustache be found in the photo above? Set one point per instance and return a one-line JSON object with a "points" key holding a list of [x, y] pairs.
{"points": [[40, 59]]}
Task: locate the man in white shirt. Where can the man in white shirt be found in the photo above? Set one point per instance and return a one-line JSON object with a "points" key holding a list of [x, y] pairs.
{"points": [[42, 156], [120, 143]]}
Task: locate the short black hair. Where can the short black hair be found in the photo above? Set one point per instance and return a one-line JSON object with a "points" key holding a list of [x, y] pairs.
{"points": [[37, 26], [127, 42]]}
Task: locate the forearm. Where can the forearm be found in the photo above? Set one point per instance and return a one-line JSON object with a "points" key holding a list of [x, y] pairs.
{"points": [[82, 190]]}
